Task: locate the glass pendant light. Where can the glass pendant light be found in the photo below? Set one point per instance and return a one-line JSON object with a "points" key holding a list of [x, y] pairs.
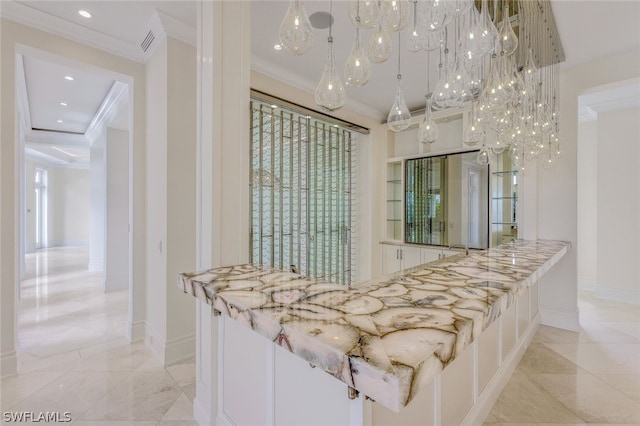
{"points": [[330, 94], [295, 32], [488, 33], [428, 130], [531, 75], [367, 11], [436, 15], [444, 93], [399, 116], [507, 41], [473, 133], [380, 45], [357, 70], [459, 7], [415, 35], [483, 157], [394, 14]]}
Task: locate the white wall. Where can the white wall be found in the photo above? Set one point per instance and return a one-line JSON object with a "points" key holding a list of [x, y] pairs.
{"points": [[587, 204], [69, 206], [117, 223], [556, 210], [157, 196], [618, 227], [16, 37], [98, 171], [171, 196]]}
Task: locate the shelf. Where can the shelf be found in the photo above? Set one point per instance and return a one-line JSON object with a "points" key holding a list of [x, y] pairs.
{"points": [[505, 223], [395, 181], [394, 201], [504, 198], [506, 172]]}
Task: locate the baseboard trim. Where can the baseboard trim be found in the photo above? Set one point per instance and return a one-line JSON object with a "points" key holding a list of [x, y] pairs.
{"points": [[173, 351], [491, 392], [201, 414], [587, 284], [178, 350], [224, 420], [8, 364], [618, 295], [557, 318], [137, 331], [95, 266]]}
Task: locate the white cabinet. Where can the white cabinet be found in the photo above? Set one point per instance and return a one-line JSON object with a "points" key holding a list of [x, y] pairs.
{"points": [[398, 257]]}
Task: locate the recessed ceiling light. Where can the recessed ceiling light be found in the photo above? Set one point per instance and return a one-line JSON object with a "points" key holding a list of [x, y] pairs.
{"points": [[59, 121], [277, 47], [64, 104], [274, 106], [68, 77], [84, 14]]}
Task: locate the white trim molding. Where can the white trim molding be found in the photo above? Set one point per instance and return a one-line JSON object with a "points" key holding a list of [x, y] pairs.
{"points": [[23, 14], [557, 318], [8, 364], [172, 351], [623, 295]]}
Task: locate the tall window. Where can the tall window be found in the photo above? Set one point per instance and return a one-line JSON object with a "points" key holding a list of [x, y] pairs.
{"points": [[40, 208], [301, 193]]}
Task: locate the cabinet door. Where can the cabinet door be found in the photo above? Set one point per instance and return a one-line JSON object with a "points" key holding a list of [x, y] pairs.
{"points": [[411, 257], [430, 254], [390, 259]]}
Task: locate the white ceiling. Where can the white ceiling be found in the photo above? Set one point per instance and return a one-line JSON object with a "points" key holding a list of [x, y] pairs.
{"points": [[589, 29], [122, 20], [47, 88]]}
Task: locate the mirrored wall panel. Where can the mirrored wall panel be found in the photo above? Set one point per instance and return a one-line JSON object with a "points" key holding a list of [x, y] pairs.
{"points": [[447, 201]]}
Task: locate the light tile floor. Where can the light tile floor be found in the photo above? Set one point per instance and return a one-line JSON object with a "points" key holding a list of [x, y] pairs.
{"points": [[590, 377], [74, 357]]}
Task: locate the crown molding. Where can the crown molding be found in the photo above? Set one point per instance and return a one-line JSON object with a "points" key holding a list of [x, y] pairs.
{"points": [[21, 96], [117, 97], [23, 14], [177, 29], [586, 114], [55, 138], [282, 74], [628, 101]]}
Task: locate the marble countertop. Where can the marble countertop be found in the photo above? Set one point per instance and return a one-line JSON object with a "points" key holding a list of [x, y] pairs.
{"points": [[387, 337]]}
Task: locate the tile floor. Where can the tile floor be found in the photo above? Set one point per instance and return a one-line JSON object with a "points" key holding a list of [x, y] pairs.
{"points": [[74, 357], [591, 377]]}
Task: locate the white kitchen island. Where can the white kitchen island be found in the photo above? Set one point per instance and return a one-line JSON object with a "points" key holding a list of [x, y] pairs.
{"points": [[432, 344]]}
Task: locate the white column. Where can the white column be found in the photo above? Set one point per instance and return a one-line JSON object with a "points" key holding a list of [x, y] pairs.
{"points": [[222, 171]]}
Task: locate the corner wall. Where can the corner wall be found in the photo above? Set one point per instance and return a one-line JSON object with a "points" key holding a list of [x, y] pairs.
{"points": [[557, 189], [14, 37], [171, 196]]}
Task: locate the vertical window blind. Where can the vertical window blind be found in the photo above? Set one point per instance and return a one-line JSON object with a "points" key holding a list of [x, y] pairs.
{"points": [[301, 193]]}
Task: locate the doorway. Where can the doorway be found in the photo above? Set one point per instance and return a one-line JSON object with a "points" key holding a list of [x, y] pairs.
{"points": [[75, 182]]}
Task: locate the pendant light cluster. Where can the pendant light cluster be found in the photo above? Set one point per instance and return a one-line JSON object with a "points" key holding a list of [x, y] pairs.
{"points": [[383, 17], [509, 80]]}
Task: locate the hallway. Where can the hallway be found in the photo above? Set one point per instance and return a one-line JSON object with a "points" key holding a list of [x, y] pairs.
{"points": [[74, 356]]}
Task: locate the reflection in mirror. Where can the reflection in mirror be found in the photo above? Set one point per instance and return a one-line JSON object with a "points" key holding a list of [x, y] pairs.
{"points": [[447, 201]]}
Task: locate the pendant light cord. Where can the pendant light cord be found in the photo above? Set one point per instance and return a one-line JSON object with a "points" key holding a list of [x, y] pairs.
{"points": [[330, 20], [399, 50]]}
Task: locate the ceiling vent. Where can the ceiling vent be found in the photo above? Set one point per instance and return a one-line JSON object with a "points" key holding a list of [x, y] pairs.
{"points": [[148, 40]]}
